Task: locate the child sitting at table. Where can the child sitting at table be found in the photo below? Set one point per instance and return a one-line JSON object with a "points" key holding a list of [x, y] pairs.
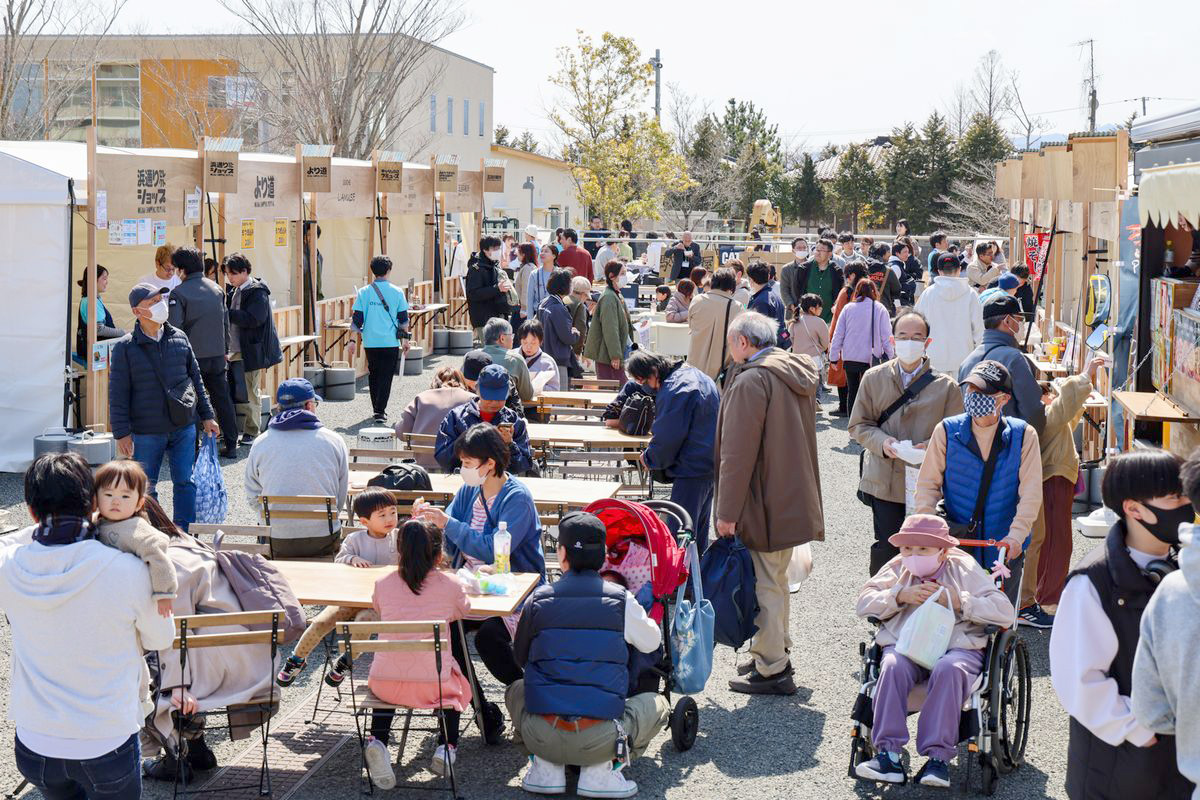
{"points": [[929, 560], [417, 591], [375, 508]]}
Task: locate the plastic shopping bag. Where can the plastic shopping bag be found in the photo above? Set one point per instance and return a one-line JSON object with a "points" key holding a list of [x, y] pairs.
{"points": [[212, 501], [926, 635], [800, 566], [692, 633]]}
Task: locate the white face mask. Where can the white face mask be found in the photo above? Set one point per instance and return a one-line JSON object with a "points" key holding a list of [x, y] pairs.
{"points": [[473, 476], [800, 254], [909, 351], [493, 255], [159, 311], [623, 279]]}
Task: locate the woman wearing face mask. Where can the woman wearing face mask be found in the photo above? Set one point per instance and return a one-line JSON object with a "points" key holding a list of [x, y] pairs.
{"points": [[1002, 507], [490, 292], [610, 330], [490, 496], [929, 563], [1097, 631], [901, 400]]}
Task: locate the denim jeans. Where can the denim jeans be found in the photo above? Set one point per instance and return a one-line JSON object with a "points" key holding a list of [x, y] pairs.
{"points": [[113, 776], [179, 447]]}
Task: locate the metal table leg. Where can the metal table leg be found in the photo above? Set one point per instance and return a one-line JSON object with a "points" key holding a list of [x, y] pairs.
{"points": [[469, 666]]}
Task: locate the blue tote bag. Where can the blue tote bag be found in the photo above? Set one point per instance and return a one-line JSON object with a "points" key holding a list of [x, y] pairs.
{"points": [[212, 501], [692, 633]]}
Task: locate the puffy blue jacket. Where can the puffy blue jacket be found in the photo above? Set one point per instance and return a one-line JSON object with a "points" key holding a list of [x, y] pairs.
{"points": [[767, 303], [571, 642], [137, 401], [1026, 403], [684, 434], [556, 323], [514, 506], [964, 473], [462, 417]]}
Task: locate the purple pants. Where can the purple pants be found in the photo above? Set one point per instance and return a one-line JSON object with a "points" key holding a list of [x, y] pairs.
{"points": [[937, 726]]}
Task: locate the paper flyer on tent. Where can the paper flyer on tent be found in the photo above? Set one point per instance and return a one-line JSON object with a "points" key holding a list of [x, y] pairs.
{"points": [[191, 206], [143, 230], [101, 209], [160, 232], [114, 232], [129, 233], [281, 232], [247, 234]]}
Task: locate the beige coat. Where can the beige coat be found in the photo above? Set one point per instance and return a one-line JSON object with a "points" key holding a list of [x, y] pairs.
{"points": [[883, 477], [707, 326], [982, 603], [218, 676], [137, 536], [1059, 458], [768, 482]]}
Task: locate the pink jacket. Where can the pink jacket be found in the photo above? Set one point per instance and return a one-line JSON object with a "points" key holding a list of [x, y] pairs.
{"points": [[410, 679], [982, 603]]}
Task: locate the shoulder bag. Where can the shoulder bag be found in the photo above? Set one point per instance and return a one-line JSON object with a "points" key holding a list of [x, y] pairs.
{"points": [[387, 310], [914, 389], [967, 530], [181, 398], [724, 343]]}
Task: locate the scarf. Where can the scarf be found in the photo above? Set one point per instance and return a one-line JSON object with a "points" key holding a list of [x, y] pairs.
{"points": [[63, 529], [295, 419]]}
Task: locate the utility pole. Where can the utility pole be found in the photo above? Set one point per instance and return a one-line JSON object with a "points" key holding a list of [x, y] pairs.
{"points": [[656, 62], [1090, 82]]}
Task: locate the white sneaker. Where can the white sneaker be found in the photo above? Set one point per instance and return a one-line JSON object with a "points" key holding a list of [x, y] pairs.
{"points": [[544, 777], [379, 764], [442, 754], [602, 780]]}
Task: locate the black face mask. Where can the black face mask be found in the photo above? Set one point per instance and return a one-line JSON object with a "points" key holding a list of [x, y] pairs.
{"points": [[1165, 528]]}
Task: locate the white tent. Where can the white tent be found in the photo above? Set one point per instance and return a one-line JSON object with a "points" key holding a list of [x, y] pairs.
{"points": [[35, 218]]}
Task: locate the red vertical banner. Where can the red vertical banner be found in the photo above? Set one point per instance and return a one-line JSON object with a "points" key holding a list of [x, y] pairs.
{"points": [[1037, 246]]}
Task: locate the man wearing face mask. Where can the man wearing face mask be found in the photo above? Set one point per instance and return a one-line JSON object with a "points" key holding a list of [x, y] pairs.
{"points": [[789, 274], [901, 400], [489, 407], [145, 365], [488, 287], [1097, 628], [1001, 323], [962, 451]]}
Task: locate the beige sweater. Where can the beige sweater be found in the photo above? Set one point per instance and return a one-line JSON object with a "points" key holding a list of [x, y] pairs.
{"points": [[138, 537]]}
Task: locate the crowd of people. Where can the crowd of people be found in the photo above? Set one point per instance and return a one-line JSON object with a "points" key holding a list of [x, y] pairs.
{"points": [[959, 442]]}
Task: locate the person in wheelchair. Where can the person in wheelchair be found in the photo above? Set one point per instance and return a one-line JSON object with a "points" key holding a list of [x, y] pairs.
{"points": [[928, 562]]}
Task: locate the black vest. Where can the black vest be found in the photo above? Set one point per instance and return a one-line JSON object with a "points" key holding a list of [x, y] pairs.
{"points": [[1095, 769]]}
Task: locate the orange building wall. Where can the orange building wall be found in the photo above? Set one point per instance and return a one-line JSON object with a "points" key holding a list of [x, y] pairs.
{"points": [[175, 101]]}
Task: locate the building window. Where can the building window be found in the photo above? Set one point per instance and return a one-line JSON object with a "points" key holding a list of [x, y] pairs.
{"points": [[466, 117], [449, 115], [433, 113], [482, 108]]}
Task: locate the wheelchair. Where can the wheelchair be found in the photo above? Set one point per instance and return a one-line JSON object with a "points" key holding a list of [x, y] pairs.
{"points": [[994, 724]]}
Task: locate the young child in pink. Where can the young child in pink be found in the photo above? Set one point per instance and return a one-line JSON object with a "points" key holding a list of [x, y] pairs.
{"points": [[417, 590]]}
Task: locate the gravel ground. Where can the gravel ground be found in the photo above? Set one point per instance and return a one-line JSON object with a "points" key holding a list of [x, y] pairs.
{"points": [[792, 747]]}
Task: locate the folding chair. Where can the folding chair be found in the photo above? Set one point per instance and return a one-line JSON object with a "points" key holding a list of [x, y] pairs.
{"points": [[355, 639], [424, 443], [305, 506], [265, 706], [260, 534], [376, 454]]}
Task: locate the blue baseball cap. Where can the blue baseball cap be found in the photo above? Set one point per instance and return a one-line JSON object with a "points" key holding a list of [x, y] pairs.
{"points": [[1008, 281], [295, 392], [493, 383]]}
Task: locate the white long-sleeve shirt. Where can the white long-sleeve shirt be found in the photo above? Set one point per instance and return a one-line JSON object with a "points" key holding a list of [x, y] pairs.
{"points": [[1083, 645], [640, 631]]}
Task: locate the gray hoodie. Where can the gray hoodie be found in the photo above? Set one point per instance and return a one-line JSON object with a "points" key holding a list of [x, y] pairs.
{"points": [[1166, 694]]}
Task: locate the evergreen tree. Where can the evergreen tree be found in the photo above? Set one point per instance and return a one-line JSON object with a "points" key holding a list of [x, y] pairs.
{"points": [[856, 183], [808, 193], [745, 123], [902, 172], [938, 153], [984, 142]]}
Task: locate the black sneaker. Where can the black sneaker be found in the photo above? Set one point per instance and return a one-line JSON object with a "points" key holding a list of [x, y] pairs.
{"points": [[883, 769], [381, 419], [1032, 616], [245, 440], [337, 673], [493, 724], [755, 683], [199, 756], [165, 768], [291, 670], [935, 772]]}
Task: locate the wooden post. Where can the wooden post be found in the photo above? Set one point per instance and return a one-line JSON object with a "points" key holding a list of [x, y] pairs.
{"points": [[298, 266], [373, 220], [387, 224], [93, 322], [482, 204], [221, 238], [203, 196], [432, 239]]}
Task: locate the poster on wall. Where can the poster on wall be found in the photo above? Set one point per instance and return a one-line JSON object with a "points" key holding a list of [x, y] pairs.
{"points": [[159, 237], [247, 234], [281, 232]]}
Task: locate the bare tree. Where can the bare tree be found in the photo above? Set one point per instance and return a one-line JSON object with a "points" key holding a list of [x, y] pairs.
{"points": [[47, 54], [1028, 125], [349, 74], [702, 142], [958, 111], [990, 89], [972, 206]]}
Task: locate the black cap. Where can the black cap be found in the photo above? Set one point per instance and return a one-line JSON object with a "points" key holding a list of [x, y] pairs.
{"points": [[582, 533], [473, 364], [1002, 305], [989, 377], [948, 261]]}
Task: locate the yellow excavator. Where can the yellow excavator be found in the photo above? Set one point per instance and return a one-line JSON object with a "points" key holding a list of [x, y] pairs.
{"points": [[765, 217]]}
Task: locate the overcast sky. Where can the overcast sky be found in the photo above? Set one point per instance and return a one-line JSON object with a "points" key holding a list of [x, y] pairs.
{"points": [[819, 71]]}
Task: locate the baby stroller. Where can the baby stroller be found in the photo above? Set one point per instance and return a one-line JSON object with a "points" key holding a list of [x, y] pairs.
{"points": [[995, 717], [641, 522]]}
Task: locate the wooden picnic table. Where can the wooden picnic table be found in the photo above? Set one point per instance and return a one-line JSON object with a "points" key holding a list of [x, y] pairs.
{"points": [[586, 436], [547, 492], [580, 399], [324, 583]]}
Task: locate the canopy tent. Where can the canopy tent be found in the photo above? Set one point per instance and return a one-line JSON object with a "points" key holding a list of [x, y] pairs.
{"points": [[35, 296]]}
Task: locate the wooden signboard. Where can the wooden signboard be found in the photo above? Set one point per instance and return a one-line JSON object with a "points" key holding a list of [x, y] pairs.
{"points": [[467, 195], [317, 173], [389, 176], [1027, 209], [1008, 179], [1014, 209], [1070, 216], [493, 177], [1056, 172], [1104, 221], [266, 190], [416, 194], [445, 179], [220, 171], [1045, 213], [351, 193], [1099, 166], [145, 186], [1031, 175]]}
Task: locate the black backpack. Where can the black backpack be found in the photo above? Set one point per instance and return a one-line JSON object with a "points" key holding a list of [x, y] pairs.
{"points": [[405, 476], [637, 415]]}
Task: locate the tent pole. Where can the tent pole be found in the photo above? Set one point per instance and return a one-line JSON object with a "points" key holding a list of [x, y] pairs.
{"points": [[67, 391], [91, 381]]}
